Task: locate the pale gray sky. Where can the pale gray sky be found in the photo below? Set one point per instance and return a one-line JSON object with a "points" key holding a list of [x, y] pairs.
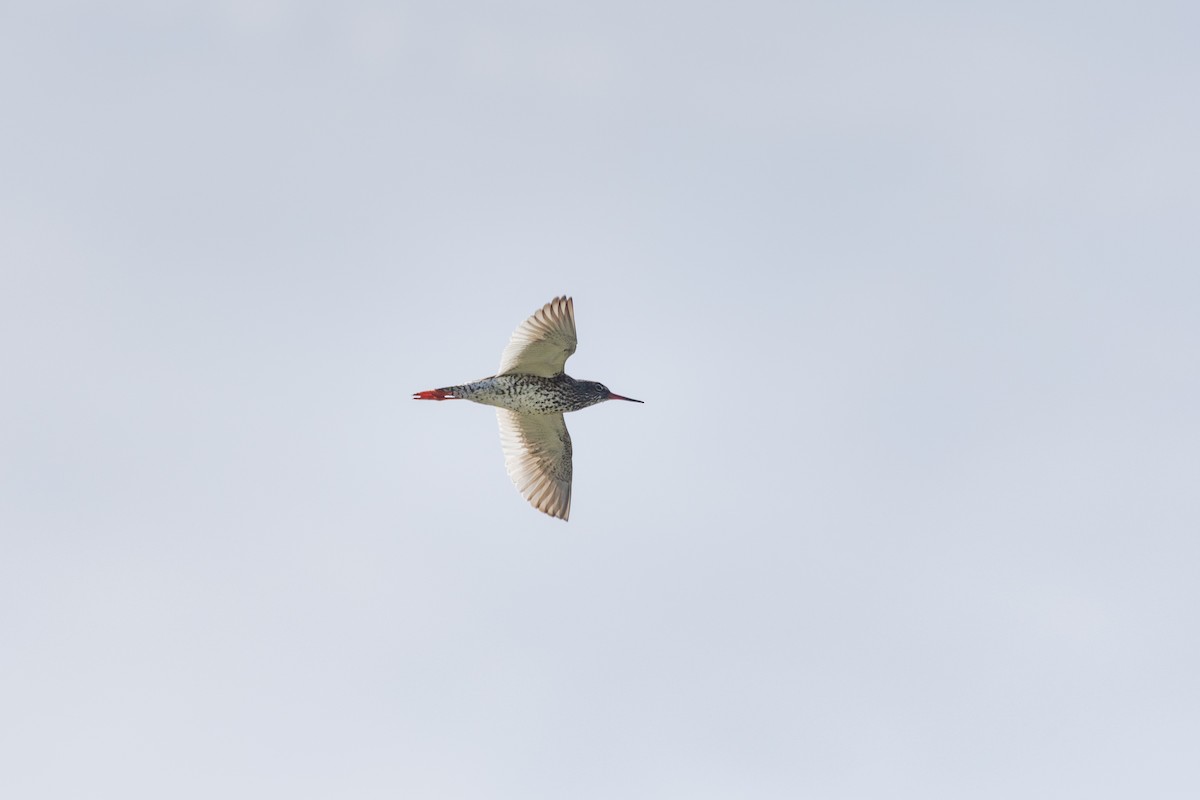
{"points": [[911, 295]]}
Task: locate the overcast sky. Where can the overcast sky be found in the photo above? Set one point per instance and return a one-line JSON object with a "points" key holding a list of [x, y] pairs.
{"points": [[911, 293]]}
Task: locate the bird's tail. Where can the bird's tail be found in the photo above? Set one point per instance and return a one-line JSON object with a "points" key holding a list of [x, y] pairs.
{"points": [[447, 393]]}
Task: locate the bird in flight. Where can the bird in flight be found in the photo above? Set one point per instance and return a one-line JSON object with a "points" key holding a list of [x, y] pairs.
{"points": [[531, 393]]}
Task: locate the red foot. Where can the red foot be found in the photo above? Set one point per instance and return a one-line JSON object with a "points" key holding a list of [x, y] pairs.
{"points": [[436, 394]]}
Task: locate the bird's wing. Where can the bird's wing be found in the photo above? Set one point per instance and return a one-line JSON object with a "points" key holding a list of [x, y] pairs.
{"points": [[542, 344], [537, 455]]}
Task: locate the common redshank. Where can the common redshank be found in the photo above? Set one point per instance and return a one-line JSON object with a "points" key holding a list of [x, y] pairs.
{"points": [[531, 393]]}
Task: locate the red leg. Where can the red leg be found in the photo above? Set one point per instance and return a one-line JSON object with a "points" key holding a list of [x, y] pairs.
{"points": [[436, 394]]}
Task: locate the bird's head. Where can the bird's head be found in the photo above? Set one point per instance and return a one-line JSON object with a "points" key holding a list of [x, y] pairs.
{"points": [[598, 393]]}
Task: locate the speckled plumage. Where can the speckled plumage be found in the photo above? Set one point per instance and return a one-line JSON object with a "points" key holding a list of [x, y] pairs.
{"points": [[532, 392]]}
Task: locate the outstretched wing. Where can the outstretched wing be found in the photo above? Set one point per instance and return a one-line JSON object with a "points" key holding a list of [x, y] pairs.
{"points": [[542, 344], [537, 455]]}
